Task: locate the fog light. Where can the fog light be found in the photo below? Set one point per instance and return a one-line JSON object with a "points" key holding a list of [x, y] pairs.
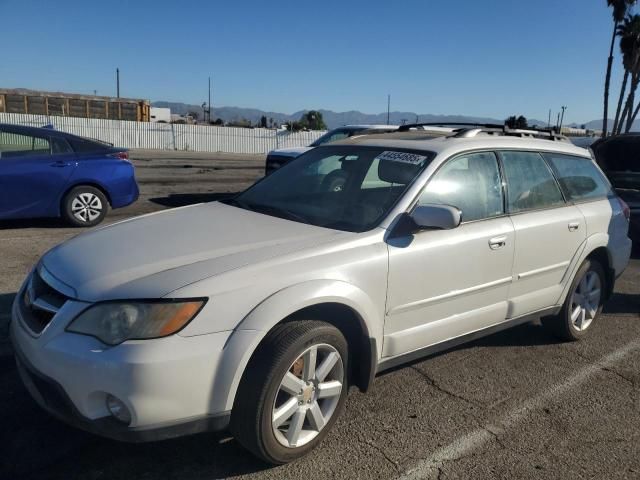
{"points": [[118, 409]]}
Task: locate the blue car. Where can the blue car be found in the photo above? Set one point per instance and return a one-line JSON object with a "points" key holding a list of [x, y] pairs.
{"points": [[48, 173]]}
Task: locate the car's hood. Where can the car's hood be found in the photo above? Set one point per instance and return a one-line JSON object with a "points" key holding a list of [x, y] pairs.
{"points": [[153, 255], [290, 152]]}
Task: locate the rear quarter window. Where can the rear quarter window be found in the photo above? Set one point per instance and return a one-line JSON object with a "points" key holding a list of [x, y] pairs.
{"points": [[59, 146], [81, 145], [579, 178]]}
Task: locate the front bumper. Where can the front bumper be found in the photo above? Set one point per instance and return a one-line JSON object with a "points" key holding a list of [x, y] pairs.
{"points": [[51, 396], [167, 384]]}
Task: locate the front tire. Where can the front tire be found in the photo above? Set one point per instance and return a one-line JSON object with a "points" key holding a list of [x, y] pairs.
{"points": [[582, 305], [84, 206], [292, 391]]}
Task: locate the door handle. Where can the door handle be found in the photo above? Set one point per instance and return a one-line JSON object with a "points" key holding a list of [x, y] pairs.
{"points": [[497, 242], [59, 164], [573, 226]]}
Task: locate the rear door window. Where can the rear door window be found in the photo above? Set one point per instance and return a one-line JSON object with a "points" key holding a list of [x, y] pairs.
{"points": [[579, 178], [530, 183], [14, 145]]}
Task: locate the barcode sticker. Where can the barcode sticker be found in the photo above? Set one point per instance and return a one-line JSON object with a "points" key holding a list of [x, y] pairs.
{"points": [[402, 157]]}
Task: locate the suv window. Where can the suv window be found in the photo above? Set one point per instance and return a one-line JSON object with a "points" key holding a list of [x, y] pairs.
{"points": [[471, 183], [19, 145], [530, 183], [579, 178], [335, 135], [618, 154]]}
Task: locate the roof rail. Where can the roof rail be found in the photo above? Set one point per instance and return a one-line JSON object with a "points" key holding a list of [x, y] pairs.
{"points": [[468, 130], [408, 126]]}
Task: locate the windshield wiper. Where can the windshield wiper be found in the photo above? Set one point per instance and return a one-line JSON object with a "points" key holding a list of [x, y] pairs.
{"points": [[267, 209], [278, 212]]}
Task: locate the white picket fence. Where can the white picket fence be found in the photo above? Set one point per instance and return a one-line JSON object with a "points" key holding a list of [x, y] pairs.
{"points": [[164, 136]]}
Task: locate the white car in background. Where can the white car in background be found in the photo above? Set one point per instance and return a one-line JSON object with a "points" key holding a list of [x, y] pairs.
{"points": [[282, 156], [259, 312]]}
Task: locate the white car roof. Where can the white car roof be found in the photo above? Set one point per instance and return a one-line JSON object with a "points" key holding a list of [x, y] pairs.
{"points": [[449, 145]]}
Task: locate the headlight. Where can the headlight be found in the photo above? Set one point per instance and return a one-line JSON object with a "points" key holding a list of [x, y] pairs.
{"points": [[115, 322]]}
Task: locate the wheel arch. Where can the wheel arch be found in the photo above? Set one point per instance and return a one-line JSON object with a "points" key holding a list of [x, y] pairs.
{"points": [[595, 247], [338, 303], [603, 257]]}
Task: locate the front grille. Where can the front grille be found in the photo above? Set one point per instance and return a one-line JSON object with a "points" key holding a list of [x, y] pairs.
{"points": [[40, 303]]}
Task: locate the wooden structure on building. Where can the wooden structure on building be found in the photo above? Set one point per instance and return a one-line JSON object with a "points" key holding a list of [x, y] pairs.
{"points": [[73, 105]]}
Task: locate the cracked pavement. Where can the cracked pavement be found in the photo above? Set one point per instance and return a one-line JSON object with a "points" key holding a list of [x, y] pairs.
{"points": [[518, 404]]}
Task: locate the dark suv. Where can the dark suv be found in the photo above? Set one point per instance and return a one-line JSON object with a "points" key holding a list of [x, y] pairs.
{"points": [[619, 157]]}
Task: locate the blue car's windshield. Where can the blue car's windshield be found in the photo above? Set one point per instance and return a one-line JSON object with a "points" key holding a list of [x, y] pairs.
{"points": [[349, 188]]}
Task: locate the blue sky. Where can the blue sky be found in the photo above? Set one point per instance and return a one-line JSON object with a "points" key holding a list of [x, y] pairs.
{"points": [[492, 58]]}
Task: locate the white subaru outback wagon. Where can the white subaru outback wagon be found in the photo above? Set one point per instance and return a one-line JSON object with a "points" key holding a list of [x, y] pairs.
{"points": [[256, 314]]}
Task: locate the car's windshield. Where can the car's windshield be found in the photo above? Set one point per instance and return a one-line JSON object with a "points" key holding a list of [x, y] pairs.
{"points": [[349, 188], [335, 135]]}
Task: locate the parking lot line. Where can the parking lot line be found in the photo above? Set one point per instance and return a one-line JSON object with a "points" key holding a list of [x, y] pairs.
{"points": [[466, 444]]}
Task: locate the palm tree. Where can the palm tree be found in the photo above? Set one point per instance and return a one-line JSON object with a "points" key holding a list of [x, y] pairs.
{"points": [[629, 32], [620, 8]]}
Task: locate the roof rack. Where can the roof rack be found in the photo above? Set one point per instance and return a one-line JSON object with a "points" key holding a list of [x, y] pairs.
{"points": [[409, 126], [468, 130]]}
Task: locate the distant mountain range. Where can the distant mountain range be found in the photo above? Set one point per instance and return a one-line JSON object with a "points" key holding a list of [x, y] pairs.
{"points": [[337, 119]]}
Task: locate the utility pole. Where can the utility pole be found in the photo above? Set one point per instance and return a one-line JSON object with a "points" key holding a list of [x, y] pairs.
{"points": [[388, 107], [558, 123], [209, 106], [562, 119], [118, 82], [549, 121]]}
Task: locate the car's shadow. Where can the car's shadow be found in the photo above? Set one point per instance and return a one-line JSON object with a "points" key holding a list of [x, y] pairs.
{"points": [[33, 223], [182, 199], [35, 445]]}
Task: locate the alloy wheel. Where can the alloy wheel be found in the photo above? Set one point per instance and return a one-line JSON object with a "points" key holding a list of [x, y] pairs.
{"points": [[308, 395], [585, 300], [86, 207]]}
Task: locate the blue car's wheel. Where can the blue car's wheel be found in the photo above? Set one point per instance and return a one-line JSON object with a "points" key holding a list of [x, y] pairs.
{"points": [[84, 206]]}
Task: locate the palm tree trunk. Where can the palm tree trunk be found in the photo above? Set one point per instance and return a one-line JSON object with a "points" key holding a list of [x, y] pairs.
{"points": [[623, 90], [635, 114], [607, 81], [630, 101], [623, 116]]}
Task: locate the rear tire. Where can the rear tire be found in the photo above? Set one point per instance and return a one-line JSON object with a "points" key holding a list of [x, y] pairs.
{"points": [[292, 391], [583, 304], [84, 206]]}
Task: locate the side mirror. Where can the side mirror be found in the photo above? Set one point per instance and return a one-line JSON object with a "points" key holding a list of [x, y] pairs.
{"points": [[441, 217]]}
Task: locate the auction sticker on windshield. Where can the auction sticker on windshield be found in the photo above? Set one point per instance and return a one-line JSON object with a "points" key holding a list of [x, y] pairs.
{"points": [[402, 157]]}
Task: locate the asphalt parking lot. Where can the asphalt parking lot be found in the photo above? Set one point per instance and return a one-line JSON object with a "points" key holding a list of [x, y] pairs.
{"points": [[517, 404]]}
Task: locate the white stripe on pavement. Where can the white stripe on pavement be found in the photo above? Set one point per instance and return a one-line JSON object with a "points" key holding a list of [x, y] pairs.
{"points": [[464, 445]]}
